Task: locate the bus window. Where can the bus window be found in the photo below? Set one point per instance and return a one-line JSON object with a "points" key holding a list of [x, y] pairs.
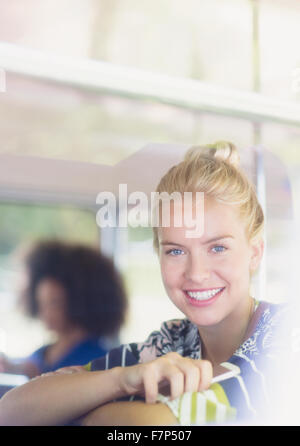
{"points": [[21, 223]]}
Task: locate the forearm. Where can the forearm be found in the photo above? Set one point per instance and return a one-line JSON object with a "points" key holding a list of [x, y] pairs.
{"points": [[59, 398], [136, 413], [18, 367]]}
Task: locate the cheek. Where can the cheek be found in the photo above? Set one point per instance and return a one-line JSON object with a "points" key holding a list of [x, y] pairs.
{"points": [[234, 269], [171, 272], [238, 273]]}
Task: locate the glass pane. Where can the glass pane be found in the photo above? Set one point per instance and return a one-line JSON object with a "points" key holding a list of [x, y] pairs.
{"points": [[279, 48], [283, 227], [98, 128], [208, 40], [83, 126], [51, 25], [20, 225]]}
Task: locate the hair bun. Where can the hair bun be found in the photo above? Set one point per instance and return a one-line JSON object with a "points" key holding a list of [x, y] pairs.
{"points": [[223, 150]]}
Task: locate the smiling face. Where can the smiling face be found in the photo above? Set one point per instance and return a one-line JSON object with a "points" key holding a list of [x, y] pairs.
{"points": [[208, 278]]}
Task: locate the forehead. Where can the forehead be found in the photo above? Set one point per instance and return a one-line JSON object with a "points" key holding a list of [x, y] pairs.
{"points": [[216, 219]]}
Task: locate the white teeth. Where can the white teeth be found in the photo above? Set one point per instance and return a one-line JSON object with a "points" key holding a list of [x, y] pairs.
{"points": [[204, 295]]}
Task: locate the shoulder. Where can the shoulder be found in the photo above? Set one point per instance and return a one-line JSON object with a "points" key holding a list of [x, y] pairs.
{"points": [[271, 316], [170, 337], [117, 357], [266, 333], [82, 353], [171, 330], [92, 346], [38, 355]]}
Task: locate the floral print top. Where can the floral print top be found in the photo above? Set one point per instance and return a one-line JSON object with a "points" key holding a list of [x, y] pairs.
{"points": [[247, 393]]}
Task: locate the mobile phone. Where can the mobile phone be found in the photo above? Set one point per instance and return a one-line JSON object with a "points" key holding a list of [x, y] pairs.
{"points": [[225, 370]]}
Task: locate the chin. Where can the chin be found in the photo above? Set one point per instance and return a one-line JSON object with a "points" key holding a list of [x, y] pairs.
{"points": [[51, 327], [206, 320]]}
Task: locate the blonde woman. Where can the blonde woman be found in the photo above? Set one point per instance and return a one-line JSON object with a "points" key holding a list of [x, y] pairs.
{"points": [[208, 278]]}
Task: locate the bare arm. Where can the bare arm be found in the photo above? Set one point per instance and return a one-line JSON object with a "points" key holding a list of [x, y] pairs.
{"points": [[58, 398], [136, 413]]}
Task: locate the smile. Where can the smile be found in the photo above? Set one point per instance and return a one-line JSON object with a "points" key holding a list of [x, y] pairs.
{"points": [[204, 295]]}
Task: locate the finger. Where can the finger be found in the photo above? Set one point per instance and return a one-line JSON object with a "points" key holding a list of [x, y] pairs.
{"points": [[190, 369], [176, 377], [162, 372], [150, 382], [206, 374], [192, 375]]}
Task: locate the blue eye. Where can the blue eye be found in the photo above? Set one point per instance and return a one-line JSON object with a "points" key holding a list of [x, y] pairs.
{"points": [[219, 248], [175, 252]]}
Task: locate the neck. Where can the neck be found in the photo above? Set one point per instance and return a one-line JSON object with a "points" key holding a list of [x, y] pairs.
{"points": [[220, 341]]}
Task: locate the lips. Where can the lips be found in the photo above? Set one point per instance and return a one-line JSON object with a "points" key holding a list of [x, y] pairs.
{"points": [[203, 297]]}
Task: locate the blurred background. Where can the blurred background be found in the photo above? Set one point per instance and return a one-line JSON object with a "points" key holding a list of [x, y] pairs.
{"points": [[92, 85]]}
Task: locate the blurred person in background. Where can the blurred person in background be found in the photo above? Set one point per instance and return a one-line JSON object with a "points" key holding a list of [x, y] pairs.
{"points": [[78, 294]]}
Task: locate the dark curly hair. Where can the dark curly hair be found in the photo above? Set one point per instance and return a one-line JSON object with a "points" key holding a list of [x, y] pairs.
{"points": [[96, 297]]}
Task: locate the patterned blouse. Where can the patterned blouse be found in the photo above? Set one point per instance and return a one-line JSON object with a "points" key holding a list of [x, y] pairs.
{"points": [[241, 398]]}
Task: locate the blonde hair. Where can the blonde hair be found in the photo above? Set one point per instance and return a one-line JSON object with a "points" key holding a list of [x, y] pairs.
{"points": [[214, 169]]}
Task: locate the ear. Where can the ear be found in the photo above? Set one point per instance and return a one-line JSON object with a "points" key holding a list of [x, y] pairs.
{"points": [[257, 250]]}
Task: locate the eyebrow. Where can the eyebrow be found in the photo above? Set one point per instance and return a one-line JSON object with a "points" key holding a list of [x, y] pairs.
{"points": [[214, 239]]}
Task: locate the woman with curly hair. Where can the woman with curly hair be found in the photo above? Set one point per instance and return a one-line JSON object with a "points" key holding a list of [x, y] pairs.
{"points": [[78, 294]]}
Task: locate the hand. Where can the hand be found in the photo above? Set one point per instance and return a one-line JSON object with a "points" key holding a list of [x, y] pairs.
{"points": [[180, 374]]}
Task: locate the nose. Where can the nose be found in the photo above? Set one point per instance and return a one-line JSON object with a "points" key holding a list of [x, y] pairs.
{"points": [[197, 269]]}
